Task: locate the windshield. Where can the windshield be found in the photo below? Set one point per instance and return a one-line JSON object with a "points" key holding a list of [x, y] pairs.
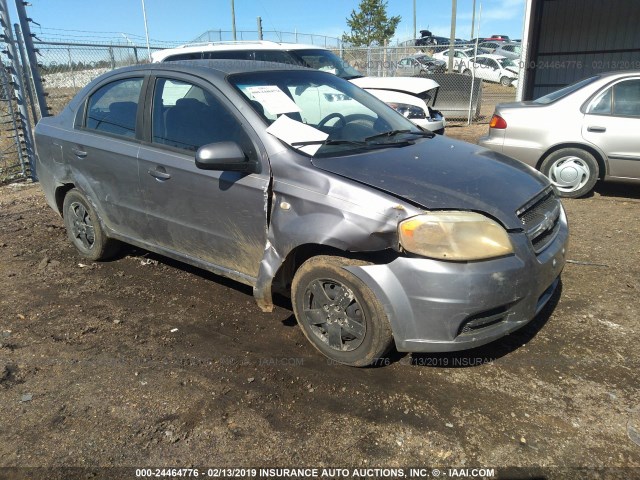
{"points": [[324, 110], [507, 62], [563, 92], [326, 61]]}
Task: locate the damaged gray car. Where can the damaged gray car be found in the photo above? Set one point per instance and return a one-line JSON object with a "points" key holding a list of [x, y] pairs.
{"points": [[294, 180]]}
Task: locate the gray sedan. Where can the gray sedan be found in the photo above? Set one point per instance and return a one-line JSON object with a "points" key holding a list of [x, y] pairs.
{"points": [[577, 135], [293, 180]]}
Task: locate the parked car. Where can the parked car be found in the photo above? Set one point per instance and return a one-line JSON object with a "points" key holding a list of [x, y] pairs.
{"points": [[577, 135], [381, 233], [413, 97], [460, 57], [427, 38], [490, 45], [419, 64], [493, 68], [509, 50], [503, 38]]}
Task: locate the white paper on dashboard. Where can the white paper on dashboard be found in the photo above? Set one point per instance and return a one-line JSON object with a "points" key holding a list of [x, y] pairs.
{"points": [[291, 131], [274, 100]]}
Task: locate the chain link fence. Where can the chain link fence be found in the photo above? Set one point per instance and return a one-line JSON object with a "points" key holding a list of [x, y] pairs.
{"points": [[462, 98], [66, 67], [13, 165]]}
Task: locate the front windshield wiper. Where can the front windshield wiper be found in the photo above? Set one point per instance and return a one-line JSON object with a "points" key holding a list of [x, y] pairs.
{"points": [[329, 142], [393, 133], [356, 143]]}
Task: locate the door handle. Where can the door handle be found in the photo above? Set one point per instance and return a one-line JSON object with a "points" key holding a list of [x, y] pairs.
{"points": [[79, 153], [159, 173], [596, 129]]}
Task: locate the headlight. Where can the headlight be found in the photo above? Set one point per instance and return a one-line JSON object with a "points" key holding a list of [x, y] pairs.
{"points": [[409, 111], [454, 235]]}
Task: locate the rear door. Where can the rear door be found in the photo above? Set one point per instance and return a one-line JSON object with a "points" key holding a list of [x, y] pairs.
{"points": [[214, 216], [612, 122], [103, 150]]}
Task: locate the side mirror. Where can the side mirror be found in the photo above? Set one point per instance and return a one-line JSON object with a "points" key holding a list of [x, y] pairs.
{"points": [[227, 156]]}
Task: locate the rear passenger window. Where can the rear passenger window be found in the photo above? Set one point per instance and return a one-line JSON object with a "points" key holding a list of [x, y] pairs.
{"points": [[186, 116], [626, 98], [113, 108]]}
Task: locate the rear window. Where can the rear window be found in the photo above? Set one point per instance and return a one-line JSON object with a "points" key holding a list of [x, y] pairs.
{"points": [[563, 92]]}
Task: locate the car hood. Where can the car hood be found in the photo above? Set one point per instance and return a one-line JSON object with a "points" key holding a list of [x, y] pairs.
{"points": [[441, 173], [413, 85]]}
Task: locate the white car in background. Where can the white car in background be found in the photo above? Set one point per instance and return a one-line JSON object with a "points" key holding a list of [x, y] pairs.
{"points": [[493, 68], [460, 58], [413, 97]]}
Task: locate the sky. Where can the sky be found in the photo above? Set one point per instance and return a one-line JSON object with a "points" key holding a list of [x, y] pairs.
{"points": [[182, 21]]}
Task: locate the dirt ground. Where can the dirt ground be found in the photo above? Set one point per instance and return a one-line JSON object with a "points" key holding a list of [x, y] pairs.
{"points": [[146, 362]]}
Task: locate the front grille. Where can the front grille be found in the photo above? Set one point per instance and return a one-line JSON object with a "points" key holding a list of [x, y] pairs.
{"points": [[541, 219]]}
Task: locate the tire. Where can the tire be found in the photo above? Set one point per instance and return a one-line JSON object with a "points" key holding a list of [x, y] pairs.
{"points": [[84, 228], [466, 72], [573, 171], [506, 81], [338, 313]]}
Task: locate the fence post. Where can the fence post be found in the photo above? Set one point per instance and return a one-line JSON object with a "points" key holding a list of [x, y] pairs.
{"points": [[9, 99], [73, 76], [26, 72], [18, 87], [31, 54], [112, 58], [135, 55]]}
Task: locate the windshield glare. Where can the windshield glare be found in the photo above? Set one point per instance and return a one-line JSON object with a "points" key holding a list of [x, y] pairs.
{"points": [[325, 102], [327, 61]]}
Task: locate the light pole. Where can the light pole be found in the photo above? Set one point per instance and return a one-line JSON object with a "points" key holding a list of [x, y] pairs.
{"points": [[146, 29], [452, 37], [415, 35], [473, 18], [233, 20]]}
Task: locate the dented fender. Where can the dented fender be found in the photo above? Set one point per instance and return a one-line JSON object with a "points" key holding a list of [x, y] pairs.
{"points": [[330, 211]]}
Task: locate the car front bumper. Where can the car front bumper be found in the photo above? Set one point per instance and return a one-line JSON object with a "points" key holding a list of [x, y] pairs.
{"points": [[436, 306]]}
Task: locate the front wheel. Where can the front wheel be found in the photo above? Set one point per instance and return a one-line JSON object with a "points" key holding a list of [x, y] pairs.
{"points": [[467, 72], [573, 171], [506, 81], [338, 313], [83, 228]]}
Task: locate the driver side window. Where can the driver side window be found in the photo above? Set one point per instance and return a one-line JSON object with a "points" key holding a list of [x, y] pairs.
{"points": [[186, 116]]}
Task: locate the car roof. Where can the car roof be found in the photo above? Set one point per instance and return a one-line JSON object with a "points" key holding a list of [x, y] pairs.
{"points": [[220, 68], [160, 55]]}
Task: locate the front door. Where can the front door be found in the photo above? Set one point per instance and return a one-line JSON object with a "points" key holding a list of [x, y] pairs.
{"points": [[214, 216]]}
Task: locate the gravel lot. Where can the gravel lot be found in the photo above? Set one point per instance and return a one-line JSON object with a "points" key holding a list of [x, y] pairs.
{"points": [[143, 361]]}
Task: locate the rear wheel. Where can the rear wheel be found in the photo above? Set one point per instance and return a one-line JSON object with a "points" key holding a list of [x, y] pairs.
{"points": [[83, 228], [506, 81], [338, 313], [573, 171]]}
